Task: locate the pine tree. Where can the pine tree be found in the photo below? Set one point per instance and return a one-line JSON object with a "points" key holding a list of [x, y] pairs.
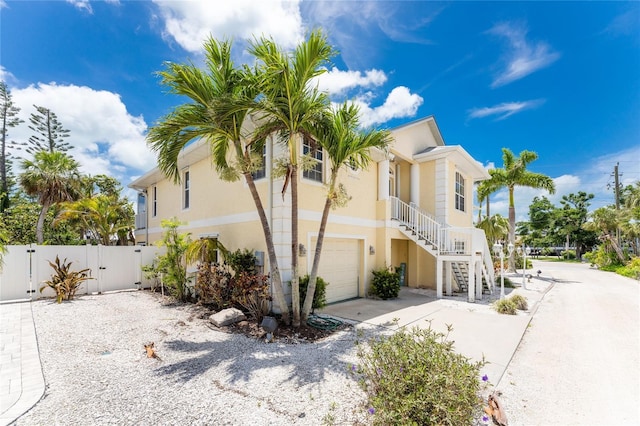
{"points": [[8, 114], [49, 135]]}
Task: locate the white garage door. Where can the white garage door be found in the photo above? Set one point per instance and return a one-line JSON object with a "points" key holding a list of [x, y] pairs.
{"points": [[339, 266]]}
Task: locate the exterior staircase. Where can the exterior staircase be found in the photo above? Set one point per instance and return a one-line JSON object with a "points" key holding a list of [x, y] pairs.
{"points": [[455, 245]]}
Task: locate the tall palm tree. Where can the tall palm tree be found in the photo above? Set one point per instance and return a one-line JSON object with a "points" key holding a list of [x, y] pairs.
{"points": [[514, 173], [102, 215], [220, 102], [52, 177], [346, 146], [291, 105]]}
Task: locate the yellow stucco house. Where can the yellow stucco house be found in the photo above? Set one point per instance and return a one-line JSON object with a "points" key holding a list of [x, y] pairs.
{"points": [[413, 207]]}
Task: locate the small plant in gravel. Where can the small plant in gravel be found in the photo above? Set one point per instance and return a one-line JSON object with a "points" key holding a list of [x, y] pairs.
{"points": [[520, 301], [173, 264], [64, 281], [505, 306], [414, 377], [385, 283]]}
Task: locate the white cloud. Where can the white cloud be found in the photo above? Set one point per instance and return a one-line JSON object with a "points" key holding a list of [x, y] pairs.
{"points": [[82, 5], [3, 4], [337, 82], [106, 138], [399, 103], [523, 57], [505, 109], [189, 23], [6, 76]]}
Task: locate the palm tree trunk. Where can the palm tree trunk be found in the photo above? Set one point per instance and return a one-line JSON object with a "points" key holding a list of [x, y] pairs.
{"points": [[512, 231], [40, 223], [295, 283], [313, 277], [276, 279]]}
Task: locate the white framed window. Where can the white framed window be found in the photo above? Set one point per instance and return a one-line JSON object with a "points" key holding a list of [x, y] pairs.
{"points": [[460, 192], [186, 176], [154, 201], [311, 148], [261, 173]]}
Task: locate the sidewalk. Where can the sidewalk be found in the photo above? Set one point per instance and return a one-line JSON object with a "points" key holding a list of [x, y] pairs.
{"points": [[478, 330], [21, 380]]}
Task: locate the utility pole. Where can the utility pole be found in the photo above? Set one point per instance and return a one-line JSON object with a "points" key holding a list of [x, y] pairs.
{"points": [[617, 195]]}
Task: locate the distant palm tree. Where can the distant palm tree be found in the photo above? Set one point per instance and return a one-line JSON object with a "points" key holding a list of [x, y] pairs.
{"points": [[52, 177], [291, 105], [514, 173], [347, 146], [103, 216], [495, 227]]}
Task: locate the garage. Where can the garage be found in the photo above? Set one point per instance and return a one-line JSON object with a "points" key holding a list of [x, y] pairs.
{"points": [[340, 267]]}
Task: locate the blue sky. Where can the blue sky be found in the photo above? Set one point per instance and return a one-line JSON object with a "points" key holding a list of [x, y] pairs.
{"points": [[558, 78]]}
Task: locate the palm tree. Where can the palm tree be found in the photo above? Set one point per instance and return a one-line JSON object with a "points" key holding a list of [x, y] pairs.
{"points": [[291, 105], [221, 100], [346, 146], [482, 193], [495, 227], [514, 173], [52, 177], [102, 215]]}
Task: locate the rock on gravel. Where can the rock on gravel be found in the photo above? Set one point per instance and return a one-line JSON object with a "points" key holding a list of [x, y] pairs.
{"points": [[96, 370]]}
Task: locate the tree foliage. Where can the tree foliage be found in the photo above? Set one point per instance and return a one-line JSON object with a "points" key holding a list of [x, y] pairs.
{"points": [[9, 116], [49, 134]]}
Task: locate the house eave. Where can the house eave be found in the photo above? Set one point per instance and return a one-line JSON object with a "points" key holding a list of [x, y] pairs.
{"points": [[461, 158]]}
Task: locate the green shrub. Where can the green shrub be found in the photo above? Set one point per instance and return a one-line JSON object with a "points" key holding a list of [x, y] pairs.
{"points": [[242, 261], [520, 302], [604, 258], [548, 251], [631, 269], [414, 377], [172, 264], [568, 254], [520, 262], [64, 281], [320, 295], [507, 282], [505, 306], [385, 284]]}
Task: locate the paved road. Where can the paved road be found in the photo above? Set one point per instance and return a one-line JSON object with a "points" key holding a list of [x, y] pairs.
{"points": [[579, 361]]}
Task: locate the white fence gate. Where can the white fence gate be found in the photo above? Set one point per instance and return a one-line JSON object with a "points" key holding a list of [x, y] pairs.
{"points": [[111, 267]]}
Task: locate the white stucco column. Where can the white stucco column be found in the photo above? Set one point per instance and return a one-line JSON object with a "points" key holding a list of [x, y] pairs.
{"points": [[439, 278], [383, 180], [415, 184], [478, 272], [447, 278], [471, 297]]}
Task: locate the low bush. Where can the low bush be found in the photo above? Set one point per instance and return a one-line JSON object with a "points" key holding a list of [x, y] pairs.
{"points": [[568, 254], [242, 261], [548, 251], [64, 281], [520, 302], [251, 292], [505, 306], [319, 296], [507, 282], [385, 284], [414, 377]]}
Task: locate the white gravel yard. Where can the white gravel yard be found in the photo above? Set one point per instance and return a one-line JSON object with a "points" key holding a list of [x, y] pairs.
{"points": [[97, 372]]}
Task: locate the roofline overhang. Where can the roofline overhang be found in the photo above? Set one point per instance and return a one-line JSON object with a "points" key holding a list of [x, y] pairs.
{"points": [[470, 165]]}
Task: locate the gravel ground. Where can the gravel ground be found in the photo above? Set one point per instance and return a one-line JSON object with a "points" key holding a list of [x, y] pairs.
{"points": [[97, 372]]}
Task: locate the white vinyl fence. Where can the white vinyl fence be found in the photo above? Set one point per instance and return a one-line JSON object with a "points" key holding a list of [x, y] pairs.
{"points": [[111, 267]]}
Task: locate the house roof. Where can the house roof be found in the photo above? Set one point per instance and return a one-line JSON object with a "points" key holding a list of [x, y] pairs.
{"points": [[458, 154]]}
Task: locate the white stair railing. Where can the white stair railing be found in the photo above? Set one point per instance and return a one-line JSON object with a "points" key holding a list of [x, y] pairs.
{"points": [[425, 227]]}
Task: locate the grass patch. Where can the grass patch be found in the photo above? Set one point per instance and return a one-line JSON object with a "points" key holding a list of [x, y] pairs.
{"points": [[520, 302]]}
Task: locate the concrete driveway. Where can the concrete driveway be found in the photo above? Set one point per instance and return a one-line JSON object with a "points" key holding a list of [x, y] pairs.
{"points": [[478, 331], [579, 361]]}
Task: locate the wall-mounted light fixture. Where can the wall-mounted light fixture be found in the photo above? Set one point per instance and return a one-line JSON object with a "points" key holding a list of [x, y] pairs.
{"points": [[302, 250], [372, 250]]}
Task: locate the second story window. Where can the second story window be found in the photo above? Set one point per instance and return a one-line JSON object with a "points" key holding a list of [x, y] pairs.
{"points": [[154, 201], [459, 192], [262, 171], [315, 151], [185, 189]]}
